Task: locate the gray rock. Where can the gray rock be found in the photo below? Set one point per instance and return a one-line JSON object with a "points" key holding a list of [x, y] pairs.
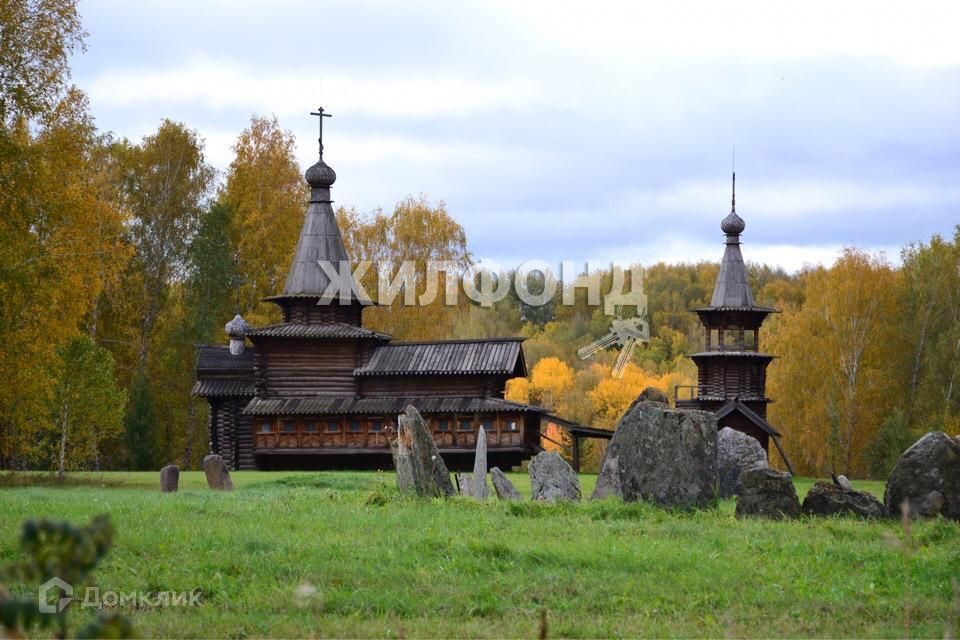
{"points": [[652, 394], [608, 480], [464, 482], [403, 466], [828, 499], [478, 487], [927, 477], [666, 456], [767, 493], [428, 475], [552, 479], [502, 485], [218, 476], [736, 452], [170, 478], [843, 482]]}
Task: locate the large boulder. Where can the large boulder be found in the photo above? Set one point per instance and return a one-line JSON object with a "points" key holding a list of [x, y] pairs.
{"points": [[420, 469], [736, 452], [170, 478], [767, 493], [665, 456], [927, 477], [218, 476], [608, 480], [829, 499], [552, 479], [502, 485]]}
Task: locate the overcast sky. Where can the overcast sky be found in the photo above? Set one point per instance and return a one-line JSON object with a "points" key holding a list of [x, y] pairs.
{"points": [[582, 131]]}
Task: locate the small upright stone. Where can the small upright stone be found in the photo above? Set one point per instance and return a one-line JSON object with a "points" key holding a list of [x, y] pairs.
{"points": [[552, 479], [736, 452], [170, 478], [502, 485], [478, 486], [464, 484], [843, 482], [218, 476], [608, 480], [768, 493]]}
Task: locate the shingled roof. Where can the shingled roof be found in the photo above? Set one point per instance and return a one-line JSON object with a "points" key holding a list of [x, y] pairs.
{"points": [[315, 330], [219, 388], [218, 359], [448, 357]]}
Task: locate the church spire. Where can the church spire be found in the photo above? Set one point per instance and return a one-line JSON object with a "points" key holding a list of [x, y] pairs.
{"points": [[733, 285], [320, 239]]}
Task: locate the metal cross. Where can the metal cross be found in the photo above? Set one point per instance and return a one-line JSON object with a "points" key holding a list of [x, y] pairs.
{"points": [[320, 116]]}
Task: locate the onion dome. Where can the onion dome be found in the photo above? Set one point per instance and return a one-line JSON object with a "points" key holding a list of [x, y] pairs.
{"points": [[320, 175], [733, 225], [238, 327]]}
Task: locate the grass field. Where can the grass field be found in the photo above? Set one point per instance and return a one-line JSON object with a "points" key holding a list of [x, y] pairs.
{"points": [[386, 566]]}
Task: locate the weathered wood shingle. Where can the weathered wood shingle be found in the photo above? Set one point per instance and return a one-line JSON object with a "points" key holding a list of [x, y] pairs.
{"points": [[502, 356]]}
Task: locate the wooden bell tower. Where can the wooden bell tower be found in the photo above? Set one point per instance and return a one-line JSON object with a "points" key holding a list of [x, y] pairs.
{"points": [[731, 369]]}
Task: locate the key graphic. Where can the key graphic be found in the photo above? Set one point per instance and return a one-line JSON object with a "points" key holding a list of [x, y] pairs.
{"points": [[625, 333]]}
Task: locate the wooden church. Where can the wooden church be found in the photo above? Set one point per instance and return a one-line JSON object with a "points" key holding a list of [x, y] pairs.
{"points": [[319, 390], [731, 369]]}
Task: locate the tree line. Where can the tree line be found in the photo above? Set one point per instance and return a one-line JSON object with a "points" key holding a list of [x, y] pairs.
{"points": [[118, 257]]}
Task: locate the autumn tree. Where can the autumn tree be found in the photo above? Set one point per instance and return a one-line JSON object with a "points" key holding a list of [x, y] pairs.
{"points": [[836, 379], [420, 233], [86, 407], [266, 195]]}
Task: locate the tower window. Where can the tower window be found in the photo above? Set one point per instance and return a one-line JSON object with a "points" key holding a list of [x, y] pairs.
{"points": [[749, 339], [731, 338], [714, 338]]}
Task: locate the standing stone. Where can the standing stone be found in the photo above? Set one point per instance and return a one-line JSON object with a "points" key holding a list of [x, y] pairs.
{"points": [[666, 456], [170, 478], [429, 476], [608, 480], [464, 484], [927, 475], [218, 476], [552, 479], [502, 485], [736, 452], [828, 499], [403, 466], [768, 493], [479, 487]]}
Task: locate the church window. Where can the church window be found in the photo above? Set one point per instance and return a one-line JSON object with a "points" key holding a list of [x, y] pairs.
{"points": [[289, 426], [266, 427], [333, 425]]}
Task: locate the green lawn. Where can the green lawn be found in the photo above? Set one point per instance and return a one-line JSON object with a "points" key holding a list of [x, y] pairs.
{"points": [[386, 566]]}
